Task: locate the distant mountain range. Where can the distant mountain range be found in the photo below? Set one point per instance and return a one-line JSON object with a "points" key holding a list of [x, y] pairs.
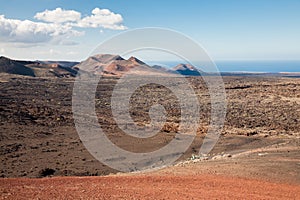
{"points": [[103, 64], [37, 68]]}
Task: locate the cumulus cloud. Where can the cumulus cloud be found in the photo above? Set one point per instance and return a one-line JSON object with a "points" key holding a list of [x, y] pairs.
{"points": [[103, 18], [58, 16], [12, 30], [57, 27], [100, 18]]}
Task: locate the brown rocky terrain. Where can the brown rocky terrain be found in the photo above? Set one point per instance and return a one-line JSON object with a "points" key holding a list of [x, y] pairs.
{"points": [[257, 155], [37, 121]]}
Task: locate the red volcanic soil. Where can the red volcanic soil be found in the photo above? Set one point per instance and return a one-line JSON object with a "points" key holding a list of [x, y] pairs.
{"points": [[146, 187]]}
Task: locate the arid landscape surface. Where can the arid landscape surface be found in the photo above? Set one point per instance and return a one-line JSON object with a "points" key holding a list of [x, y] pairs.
{"points": [[257, 155]]}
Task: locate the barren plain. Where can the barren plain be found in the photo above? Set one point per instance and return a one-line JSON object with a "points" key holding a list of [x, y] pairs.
{"points": [[257, 155]]}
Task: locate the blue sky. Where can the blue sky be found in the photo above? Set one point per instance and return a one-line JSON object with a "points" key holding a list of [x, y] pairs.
{"points": [[227, 29]]}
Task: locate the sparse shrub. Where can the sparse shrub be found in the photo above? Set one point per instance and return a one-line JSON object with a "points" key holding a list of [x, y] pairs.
{"points": [[46, 172]]}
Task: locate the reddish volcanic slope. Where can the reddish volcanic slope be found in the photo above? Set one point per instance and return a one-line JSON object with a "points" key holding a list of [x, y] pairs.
{"points": [[146, 187], [107, 64]]}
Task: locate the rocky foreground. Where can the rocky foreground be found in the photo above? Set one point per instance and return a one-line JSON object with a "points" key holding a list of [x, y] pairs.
{"points": [[257, 155]]}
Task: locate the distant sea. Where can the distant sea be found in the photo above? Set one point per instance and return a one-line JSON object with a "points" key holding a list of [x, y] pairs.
{"points": [[248, 66]]}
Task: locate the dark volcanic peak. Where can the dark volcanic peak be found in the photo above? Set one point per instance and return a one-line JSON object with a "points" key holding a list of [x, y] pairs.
{"points": [[13, 67], [187, 69], [35, 68], [3, 59]]}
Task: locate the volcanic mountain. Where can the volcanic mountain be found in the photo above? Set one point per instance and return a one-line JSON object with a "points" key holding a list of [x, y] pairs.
{"points": [[13, 67], [187, 70], [102, 64], [37, 68], [114, 65]]}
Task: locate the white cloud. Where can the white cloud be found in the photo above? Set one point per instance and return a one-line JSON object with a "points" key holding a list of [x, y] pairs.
{"points": [[58, 16], [2, 50], [58, 26], [102, 18], [12, 30]]}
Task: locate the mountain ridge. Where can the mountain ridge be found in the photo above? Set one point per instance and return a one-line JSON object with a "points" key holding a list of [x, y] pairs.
{"points": [[101, 64]]}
